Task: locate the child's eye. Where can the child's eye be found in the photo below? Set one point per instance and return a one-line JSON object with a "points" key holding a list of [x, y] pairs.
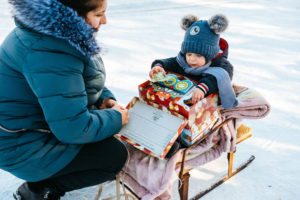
{"points": [[199, 56]]}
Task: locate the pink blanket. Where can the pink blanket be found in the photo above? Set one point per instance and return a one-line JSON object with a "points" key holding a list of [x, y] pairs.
{"points": [[151, 178]]}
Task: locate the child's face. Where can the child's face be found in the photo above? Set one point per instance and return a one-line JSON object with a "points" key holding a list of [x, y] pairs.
{"points": [[194, 60]]}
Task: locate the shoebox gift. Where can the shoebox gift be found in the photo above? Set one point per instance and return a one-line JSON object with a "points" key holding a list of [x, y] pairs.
{"points": [[152, 128], [175, 93]]}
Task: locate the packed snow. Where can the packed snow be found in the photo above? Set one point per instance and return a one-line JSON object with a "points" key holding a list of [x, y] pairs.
{"points": [[264, 47]]}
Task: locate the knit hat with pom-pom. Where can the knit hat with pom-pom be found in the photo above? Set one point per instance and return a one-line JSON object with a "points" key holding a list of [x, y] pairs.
{"points": [[202, 36]]}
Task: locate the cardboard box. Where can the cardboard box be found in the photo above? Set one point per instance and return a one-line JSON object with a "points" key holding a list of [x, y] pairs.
{"points": [[152, 128], [172, 95]]}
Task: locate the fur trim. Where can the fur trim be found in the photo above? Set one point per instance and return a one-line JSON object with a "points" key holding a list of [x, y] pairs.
{"points": [[51, 17], [218, 23], [187, 21]]}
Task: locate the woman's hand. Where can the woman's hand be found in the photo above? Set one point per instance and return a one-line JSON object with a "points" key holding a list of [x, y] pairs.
{"points": [[108, 103], [198, 94], [124, 113], [156, 69]]}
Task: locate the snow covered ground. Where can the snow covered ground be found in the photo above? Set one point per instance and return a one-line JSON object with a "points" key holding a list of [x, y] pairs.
{"points": [[264, 39]]}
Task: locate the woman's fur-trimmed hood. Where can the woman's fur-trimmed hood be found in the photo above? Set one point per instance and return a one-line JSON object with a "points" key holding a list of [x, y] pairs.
{"points": [[51, 17]]}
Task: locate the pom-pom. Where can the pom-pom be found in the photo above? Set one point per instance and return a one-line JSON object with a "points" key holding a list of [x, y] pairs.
{"points": [[218, 23], [187, 21]]}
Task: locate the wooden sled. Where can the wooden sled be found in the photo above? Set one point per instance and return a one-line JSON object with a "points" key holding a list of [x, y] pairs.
{"points": [[243, 133]]}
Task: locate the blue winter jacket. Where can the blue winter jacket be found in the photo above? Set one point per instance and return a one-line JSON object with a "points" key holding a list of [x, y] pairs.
{"points": [[51, 79]]}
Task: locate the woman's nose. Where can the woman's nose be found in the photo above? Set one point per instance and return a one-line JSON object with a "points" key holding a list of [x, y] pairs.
{"points": [[103, 19]]}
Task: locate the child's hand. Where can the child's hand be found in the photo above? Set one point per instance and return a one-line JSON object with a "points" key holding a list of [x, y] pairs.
{"points": [[198, 94], [156, 69]]}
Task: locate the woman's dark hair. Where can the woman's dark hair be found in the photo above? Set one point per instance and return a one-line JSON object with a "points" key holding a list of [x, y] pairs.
{"points": [[82, 7]]}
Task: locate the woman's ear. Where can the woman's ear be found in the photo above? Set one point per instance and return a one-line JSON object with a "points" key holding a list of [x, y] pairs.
{"points": [[218, 23], [187, 21]]}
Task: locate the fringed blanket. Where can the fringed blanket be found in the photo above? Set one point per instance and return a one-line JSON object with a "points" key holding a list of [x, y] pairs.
{"points": [[151, 178]]}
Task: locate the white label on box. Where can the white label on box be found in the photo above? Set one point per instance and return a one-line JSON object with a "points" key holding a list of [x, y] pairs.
{"points": [[150, 127]]}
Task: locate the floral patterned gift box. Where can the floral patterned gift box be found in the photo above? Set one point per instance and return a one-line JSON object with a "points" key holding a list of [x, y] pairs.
{"points": [[173, 94]]}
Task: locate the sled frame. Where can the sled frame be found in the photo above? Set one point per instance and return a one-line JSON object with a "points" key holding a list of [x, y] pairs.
{"points": [[184, 175]]}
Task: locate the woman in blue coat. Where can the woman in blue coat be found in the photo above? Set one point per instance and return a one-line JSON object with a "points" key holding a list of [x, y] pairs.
{"points": [[57, 118]]}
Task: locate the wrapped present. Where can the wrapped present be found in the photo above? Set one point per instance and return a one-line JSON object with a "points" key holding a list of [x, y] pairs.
{"points": [[175, 93], [152, 128]]}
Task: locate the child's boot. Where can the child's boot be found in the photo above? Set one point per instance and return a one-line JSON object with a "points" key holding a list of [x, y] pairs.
{"points": [[175, 147]]}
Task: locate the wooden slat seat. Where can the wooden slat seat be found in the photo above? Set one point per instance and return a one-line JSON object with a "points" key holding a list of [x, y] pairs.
{"points": [[243, 133]]}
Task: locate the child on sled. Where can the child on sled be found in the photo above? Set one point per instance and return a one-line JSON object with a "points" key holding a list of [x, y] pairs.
{"points": [[202, 58]]}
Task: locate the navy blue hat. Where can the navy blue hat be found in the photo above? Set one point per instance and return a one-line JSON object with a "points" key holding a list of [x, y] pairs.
{"points": [[202, 36]]}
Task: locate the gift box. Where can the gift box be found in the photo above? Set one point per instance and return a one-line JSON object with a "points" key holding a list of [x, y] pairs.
{"points": [[174, 95], [152, 128], [202, 117]]}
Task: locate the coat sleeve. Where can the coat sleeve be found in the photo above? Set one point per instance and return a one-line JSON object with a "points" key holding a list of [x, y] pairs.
{"points": [[57, 82], [169, 64], [211, 84], [106, 93]]}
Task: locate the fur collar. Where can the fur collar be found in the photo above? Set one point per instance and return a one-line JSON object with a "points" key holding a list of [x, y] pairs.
{"points": [[51, 17]]}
